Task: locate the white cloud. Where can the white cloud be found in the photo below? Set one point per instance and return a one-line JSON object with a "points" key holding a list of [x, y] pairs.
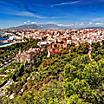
{"points": [[66, 3], [64, 25], [98, 19], [25, 22], [99, 24], [90, 23], [29, 14], [33, 22], [30, 22], [23, 13]]}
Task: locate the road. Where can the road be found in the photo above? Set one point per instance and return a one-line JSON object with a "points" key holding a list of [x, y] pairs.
{"points": [[8, 63], [7, 84]]}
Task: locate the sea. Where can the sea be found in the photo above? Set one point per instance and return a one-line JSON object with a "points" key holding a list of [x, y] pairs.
{"points": [[2, 38]]}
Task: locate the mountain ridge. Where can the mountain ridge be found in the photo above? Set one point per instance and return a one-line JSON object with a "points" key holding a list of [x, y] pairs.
{"points": [[49, 26]]}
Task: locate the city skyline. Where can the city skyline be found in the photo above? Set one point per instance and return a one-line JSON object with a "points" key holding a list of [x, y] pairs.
{"points": [[74, 13]]}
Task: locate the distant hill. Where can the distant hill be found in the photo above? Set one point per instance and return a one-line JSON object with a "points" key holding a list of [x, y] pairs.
{"points": [[50, 26], [39, 26], [93, 28], [32, 26]]}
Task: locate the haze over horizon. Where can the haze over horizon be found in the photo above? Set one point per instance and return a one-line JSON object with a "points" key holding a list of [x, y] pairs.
{"points": [[74, 13]]}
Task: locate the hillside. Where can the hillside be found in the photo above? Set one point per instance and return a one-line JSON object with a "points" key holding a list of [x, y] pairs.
{"points": [[49, 26], [39, 26], [71, 78]]}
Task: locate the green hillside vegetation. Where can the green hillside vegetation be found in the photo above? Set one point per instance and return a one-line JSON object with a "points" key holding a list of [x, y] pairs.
{"points": [[71, 78], [8, 53]]}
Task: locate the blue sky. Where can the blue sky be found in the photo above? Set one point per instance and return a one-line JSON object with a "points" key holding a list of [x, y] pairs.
{"points": [[74, 13]]}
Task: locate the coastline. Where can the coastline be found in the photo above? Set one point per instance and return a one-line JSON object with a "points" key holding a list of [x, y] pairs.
{"points": [[5, 45]]}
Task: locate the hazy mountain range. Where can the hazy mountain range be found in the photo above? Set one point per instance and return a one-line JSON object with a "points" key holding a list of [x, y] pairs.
{"points": [[49, 26], [39, 26]]}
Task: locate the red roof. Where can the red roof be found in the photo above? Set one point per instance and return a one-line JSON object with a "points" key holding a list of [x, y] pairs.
{"points": [[54, 51]]}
